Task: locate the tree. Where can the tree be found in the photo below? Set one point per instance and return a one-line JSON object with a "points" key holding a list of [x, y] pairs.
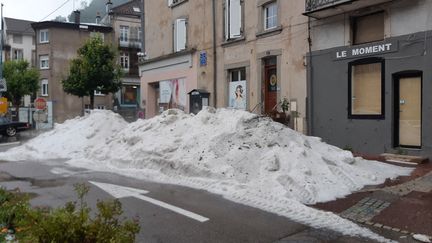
{"points": [[95, 68], [21, 80]]}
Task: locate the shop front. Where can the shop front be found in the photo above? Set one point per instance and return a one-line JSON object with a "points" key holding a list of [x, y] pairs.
{"points": [[373, 98]]}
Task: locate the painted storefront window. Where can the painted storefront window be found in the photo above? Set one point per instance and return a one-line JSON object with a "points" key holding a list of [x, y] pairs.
{"points": [[173, 93], [237, 95]]}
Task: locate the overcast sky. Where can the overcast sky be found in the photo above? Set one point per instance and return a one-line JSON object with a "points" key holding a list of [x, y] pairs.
{"points": [[36, 10]]}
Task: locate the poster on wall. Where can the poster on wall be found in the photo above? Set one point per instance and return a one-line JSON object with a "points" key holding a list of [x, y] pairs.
{"points": [[164, 91], [237, 95], [173, 93]]}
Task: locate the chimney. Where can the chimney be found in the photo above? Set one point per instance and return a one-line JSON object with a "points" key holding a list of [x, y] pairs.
{"points": [[77, 14], [98, 18], [108, 6]]}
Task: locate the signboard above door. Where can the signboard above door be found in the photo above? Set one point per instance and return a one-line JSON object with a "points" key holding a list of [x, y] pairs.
{"points": [[366, 50]]}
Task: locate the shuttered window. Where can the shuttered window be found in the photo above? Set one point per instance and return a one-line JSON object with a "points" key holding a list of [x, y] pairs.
{"points": [[368, 28], [180, 34], [233, 19], [366, 89]]}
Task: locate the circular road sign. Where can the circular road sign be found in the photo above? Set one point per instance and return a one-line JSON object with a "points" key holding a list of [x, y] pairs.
{"points": [[40, 103]]}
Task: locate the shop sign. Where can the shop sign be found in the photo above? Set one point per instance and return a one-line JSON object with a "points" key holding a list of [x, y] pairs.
{"points": [[3, 105], [203, 58], [366, 50]]}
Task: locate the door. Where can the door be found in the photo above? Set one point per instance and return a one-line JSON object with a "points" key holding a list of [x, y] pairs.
{"points": [[270, 85], [409, 125]]}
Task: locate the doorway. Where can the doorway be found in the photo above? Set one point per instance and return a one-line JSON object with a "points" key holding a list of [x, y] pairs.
{"points": [[270, 84], [408, 110]]}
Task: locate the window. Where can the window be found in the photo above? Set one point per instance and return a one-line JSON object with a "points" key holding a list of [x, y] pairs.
{"points": [[237, 89], [17, 39], [124, 33], [124, 60], [233, 19], [44, 87], [366, 89], [44, 62], [368, 28], [238, 74], [17, 54], [43, 36], [129, 95], [270, 13], [180, 34]]}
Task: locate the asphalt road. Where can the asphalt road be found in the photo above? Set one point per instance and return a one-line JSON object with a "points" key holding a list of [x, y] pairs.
{"points": [[53, 181]]}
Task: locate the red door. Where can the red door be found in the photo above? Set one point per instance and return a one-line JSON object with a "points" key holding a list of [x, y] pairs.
{"points": [[270, 85]]}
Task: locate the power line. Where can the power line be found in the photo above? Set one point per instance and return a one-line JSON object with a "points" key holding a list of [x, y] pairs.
{"points": [[55, 10]]}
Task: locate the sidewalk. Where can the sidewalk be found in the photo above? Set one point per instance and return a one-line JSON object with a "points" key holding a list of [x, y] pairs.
{"points": [[396, 209]]}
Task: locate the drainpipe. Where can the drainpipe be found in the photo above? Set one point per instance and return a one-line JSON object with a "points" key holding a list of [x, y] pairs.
{"points": [[310, 82], [214, 53], [142, 27]]}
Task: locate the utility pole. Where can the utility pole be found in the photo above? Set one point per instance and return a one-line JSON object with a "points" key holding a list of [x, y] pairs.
{"points": [[2, 81], [1, 44]]}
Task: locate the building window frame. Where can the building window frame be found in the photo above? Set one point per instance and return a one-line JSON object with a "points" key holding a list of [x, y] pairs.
{"points": [[265, 16], [17, 38], [229, 35], [44, 62], [44, 87], [17, 54], [124, 60], [366, 61], [43, 36], [124, 33]]}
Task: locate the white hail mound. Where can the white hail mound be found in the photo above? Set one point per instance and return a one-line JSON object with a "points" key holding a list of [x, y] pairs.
{"points": [[240, 155]]}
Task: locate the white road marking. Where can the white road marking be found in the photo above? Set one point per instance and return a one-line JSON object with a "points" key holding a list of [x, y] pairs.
{"points": [[9, 144], [121, 192]]}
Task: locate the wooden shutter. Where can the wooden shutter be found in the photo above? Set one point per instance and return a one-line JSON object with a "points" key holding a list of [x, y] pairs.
{"points": [[180, 34]]}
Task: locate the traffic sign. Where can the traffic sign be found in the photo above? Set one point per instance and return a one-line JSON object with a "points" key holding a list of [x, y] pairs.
{"points": [[40, 116], [40, 103], [3, 85]]}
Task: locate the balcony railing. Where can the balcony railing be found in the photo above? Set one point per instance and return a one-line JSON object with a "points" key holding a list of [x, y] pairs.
{"points": [[312, 5], [130, 43], [326, 8]]}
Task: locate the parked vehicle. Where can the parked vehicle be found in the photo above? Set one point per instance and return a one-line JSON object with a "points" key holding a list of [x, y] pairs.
{"points": [[10, 128]]}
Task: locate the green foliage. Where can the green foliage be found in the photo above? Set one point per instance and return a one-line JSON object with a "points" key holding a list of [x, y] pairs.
{"points": [[14, 208], [95, 68], [21, 80], [71, 223]]}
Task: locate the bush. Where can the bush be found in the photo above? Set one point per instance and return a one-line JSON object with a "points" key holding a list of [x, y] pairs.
{"points": [[71, 223]]}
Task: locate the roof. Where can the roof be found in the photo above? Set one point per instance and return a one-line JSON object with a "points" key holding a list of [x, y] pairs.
{"points": [[131, 8], [71, 25], [18, 26]]}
